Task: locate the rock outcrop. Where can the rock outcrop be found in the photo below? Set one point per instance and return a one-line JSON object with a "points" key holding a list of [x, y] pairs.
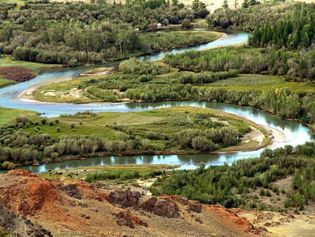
{"points": [[161, 207], [124, 198]]}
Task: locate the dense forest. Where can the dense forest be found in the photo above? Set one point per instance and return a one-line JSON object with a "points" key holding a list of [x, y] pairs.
{"points": [[294, 31], [77, 33], [230, 185]]}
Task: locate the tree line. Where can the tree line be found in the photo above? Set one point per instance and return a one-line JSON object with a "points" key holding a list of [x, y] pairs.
{"points": [[291, 64]]}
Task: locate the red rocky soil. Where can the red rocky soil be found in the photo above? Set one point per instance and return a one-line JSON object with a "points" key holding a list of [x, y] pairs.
{"points": [[80, 209]]}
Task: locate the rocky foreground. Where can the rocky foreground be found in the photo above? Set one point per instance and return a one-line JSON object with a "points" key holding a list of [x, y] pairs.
{"points": [[32, 206]]}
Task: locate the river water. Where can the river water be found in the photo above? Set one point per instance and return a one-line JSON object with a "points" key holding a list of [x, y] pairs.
{"points": [[293, 133]]}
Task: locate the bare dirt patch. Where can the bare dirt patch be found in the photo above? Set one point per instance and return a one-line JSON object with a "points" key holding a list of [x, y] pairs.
{"points": [[18, 74]]}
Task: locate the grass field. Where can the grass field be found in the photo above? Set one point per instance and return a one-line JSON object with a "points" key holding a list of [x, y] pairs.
{"points": [[9, 115], [4, 82], [15, 71], [162, 121], [65, 91], [6, 61]]}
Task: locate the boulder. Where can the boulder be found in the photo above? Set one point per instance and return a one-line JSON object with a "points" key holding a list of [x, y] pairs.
{"points": [[161, 207], [124, 198]]}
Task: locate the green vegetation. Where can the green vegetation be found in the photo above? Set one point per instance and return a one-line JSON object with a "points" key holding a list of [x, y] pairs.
{"points": [[295, 30], [246, 82], [12, 71], [9, 115], [294, 65], [4, 82], [275, 73], [127, 173], [250, 17], [97, 33], [6, 61], [165, 40], [240, 184], [174, 130]]}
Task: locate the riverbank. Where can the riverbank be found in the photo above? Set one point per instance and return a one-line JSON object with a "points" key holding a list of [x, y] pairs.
{"points": [[14, 71]]}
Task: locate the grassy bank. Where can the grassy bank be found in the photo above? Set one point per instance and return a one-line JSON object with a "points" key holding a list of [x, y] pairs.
{"points": [[5, 82], [116, 172], [9, 115], [12, 71]]}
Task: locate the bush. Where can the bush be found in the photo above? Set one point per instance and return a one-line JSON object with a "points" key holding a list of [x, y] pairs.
{"points": [[8, 165]]}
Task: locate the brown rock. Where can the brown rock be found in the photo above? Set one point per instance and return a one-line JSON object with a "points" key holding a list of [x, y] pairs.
{"points": [[128, 219], [161, 207], [71, 190], [124, 198], [195, 207]]}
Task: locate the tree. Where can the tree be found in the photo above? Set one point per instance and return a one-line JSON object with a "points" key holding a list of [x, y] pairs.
{"points": [[245, 4], [225, 4], [186, 24]]}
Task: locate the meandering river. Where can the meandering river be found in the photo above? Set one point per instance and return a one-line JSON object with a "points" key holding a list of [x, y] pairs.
{"points": [[290, 133]]}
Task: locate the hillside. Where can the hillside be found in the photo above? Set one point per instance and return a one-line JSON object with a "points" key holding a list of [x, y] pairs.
{"points": [[56, 208]]}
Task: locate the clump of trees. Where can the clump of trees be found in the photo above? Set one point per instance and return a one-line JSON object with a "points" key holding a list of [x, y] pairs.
{"points": [[208, 139], [137, 67], [251, 15], [230, 185]]}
